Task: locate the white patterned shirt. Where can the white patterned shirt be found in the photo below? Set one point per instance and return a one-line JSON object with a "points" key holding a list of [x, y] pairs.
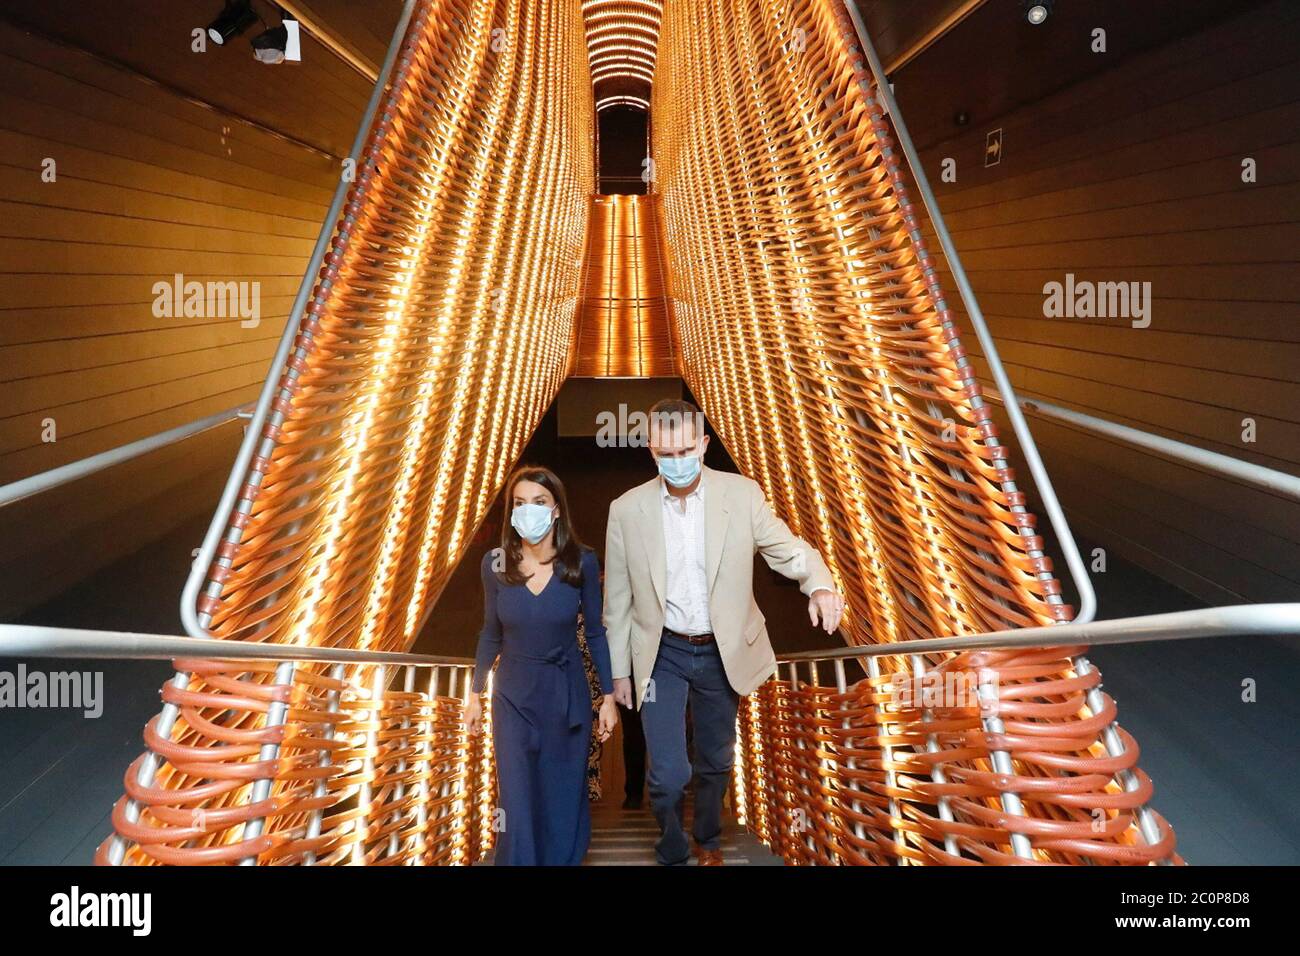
{"points": [[686, 608]]}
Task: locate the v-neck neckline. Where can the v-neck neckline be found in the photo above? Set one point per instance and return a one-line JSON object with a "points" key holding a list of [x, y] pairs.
{"points": [[538, 594]]}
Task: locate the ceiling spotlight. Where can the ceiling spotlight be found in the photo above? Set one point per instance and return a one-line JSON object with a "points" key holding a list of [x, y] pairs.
{"points": [[1037, 13], [237, 17], [279, 43]]}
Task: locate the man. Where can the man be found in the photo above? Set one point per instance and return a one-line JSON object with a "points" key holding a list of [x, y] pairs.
{"points": [[682, 620]]}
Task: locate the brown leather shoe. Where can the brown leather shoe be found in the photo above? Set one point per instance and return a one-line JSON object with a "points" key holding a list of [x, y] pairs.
{"points": [[709, 857]]}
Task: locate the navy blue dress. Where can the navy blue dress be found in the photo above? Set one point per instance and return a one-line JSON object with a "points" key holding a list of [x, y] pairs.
{"points": [[541, 710]]}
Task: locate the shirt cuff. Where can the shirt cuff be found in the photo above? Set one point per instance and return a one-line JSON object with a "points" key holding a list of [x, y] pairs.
{"points": [[822, 588]]}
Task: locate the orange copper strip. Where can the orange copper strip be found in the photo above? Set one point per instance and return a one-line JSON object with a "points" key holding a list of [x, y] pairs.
{"points": [[624, 326]]}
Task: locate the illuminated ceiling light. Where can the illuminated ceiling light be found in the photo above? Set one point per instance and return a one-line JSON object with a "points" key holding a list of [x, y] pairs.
{"points": [[623, 59], [622, 38], [237, 17], [634, 101], [620, 69], [1037, 11]]}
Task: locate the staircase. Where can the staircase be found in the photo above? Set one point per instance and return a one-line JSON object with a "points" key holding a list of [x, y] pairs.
{"points": [[627, 838]]}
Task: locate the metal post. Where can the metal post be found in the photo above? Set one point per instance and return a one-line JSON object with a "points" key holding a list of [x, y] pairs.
{"points": [[399, 792], [338, 672], [1147, 825], [887, 753], [367, 794], [828, 774], [841, 685], [444, 788], [275, 716], [803, 786], [461, 806], [427, 703], [148, 768], [936, 770], [988, 694]]}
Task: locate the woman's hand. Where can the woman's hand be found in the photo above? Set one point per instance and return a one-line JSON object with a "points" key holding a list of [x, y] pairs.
{"points": [[473, 715], [608, 718]]}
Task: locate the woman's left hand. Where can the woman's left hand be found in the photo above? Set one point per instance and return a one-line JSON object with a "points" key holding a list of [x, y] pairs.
{"points": [[608, 718]]}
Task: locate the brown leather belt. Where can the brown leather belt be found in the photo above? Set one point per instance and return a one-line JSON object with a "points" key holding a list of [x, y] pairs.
{"points": [[696, 639]]}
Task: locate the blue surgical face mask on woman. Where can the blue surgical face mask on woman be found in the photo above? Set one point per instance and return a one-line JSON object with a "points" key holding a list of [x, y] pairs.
{"points": [[532, 521], [679, 472]]}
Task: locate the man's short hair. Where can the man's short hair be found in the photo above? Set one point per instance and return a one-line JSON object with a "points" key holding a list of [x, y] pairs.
{"points": [[673, 413]]}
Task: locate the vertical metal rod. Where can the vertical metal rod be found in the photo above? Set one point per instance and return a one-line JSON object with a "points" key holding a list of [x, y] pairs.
{"points": [[988, 694], [399, 792], [444, 787], [937, 774], [275, 716], [367, 794], [851, 763], [427, 703], [806, 819], [333, 699], [829, 776], [462, 806], [487, 756], [887, 752], [1147, 825], [148, 768]]}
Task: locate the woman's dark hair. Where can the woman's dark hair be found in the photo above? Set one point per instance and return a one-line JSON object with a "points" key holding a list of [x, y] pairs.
{"points": [[568, 549]]}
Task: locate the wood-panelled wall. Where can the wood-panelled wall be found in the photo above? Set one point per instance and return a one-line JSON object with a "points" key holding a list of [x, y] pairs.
{"points": [[150, 183], [1136, 175]]}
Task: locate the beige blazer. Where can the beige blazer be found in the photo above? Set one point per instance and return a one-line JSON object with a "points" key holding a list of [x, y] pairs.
{"points": [[738, 523]]}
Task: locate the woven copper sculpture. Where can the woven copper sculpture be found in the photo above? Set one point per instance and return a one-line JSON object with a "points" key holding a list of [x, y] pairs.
{"points": [[815, 333], [437, 336], [813, 328]]}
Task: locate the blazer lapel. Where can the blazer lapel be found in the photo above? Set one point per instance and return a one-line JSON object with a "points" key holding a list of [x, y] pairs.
{"points": [[652, 536], [715, 526]]}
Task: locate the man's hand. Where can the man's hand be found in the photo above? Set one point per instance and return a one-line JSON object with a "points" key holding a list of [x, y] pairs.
{"points": [[826, 608], [623, 691]]}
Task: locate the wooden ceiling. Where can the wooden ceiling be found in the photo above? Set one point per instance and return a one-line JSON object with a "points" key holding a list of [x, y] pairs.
{"points": [[317, 102], [902, 30], [989, 63], [995, 61]]}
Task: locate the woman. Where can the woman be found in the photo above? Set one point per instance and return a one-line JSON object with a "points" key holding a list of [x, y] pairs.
{"points": [[534, 585]]}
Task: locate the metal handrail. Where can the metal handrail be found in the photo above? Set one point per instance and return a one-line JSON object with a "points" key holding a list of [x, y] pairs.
{"points": [[1051, 505], [62, 475], [254, 437], [1253, 619], [27, 640], [1259, 476]]}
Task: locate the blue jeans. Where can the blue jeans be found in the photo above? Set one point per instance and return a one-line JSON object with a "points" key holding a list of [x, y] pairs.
{"points": [[687, 672]]}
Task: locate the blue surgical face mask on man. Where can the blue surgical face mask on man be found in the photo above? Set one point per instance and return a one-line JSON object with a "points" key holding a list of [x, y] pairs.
{"points": [[532, 521], [679, 472]]}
